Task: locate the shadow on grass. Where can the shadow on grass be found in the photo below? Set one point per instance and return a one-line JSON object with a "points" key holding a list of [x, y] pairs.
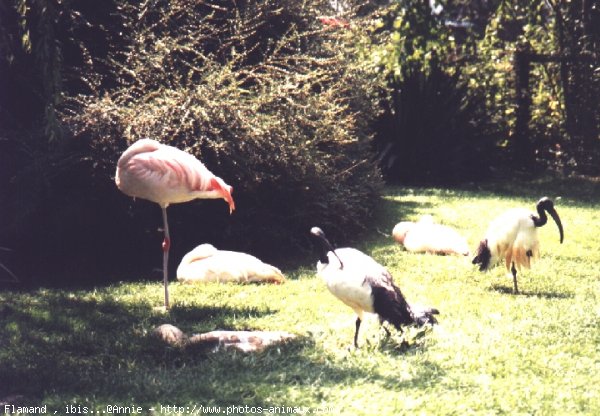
{"points": [[546, 295], [304, 368], [58, 348], [51, 341], [408, 341], [216, 315], [580, 192]]}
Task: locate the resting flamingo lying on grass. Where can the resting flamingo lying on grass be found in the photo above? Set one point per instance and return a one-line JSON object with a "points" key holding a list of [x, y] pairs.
{"points": [[207, 264], [425, 236]]}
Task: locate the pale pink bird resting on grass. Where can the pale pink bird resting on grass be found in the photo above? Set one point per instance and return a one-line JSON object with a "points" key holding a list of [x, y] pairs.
{"points": [[166, 175], [207, 264], [425, 236]]}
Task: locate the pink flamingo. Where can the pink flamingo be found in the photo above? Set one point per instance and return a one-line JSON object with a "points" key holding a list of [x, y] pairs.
{"points": [[167, 175]]}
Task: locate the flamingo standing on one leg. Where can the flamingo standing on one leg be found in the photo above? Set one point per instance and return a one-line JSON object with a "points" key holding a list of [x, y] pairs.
{"points": [[167, 175]]}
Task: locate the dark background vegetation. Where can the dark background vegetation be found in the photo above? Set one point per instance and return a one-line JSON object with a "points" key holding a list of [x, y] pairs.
{"points": [[305, 118]]}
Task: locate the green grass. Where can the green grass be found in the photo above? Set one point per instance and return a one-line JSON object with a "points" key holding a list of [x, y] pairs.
{"points": [[492, 353]]}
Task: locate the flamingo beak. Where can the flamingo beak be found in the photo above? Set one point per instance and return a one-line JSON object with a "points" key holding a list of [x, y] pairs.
{"points": [[227, 196], [556, 219], [223, 190]]}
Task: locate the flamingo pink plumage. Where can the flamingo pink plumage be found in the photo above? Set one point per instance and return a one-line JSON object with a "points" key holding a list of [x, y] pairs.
{"points": [[166, 175]]}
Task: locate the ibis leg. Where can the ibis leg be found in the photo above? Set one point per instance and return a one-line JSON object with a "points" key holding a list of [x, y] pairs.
{"points": [[387, 331], [356, 332], [165, 246], [514, 273], [382, 324]]}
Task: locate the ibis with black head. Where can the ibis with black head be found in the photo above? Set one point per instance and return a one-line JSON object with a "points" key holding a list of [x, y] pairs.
{"points": [[364, 285]]}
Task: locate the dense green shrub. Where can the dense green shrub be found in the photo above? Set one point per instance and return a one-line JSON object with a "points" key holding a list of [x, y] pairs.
{"points": [[267, 97], [564, 118], [433, 131]]}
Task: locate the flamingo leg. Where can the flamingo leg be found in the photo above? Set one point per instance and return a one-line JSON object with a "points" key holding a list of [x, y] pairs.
{"points": [[165, 246]]}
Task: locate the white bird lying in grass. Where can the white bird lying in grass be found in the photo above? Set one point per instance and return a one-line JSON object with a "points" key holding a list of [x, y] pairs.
{"points": [[207, 264], [365, 286], [513, 237], [425, 236]]}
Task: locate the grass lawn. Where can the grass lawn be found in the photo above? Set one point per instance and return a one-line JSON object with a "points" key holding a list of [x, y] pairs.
{"points": [[492, 353]]}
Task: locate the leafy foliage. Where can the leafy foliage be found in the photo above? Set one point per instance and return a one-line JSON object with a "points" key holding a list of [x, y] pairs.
{"points": [[433, 131], [559, 89], [407, 37], [482, 39], [283, 118]]}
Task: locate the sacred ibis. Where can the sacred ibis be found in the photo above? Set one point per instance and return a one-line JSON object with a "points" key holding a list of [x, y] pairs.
{"points": [[365, 286], [513, 237]]}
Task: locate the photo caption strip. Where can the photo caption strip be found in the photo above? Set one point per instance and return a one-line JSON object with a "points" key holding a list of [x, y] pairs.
{"points": [[196, 409]]}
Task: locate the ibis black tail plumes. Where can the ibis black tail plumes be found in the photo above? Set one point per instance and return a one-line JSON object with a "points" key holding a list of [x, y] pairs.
{"points": [[546, 205], [425, 316], [392, 307]]}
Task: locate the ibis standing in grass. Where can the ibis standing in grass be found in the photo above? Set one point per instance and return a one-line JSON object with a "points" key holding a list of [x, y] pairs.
{"points": [[365, 286], [513, 237], [166, 175]]}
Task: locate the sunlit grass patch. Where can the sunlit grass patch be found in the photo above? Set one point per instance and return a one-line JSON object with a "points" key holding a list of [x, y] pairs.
{"points": [[492, 352]]}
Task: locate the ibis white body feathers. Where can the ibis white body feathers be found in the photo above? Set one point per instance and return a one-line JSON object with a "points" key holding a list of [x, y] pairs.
{"points": [[348, 284], [365, 286], [513, 237]]}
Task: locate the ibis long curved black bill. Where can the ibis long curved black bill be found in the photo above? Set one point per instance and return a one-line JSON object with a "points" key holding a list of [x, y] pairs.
{"points": [[546, 204], [556, 219]]}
